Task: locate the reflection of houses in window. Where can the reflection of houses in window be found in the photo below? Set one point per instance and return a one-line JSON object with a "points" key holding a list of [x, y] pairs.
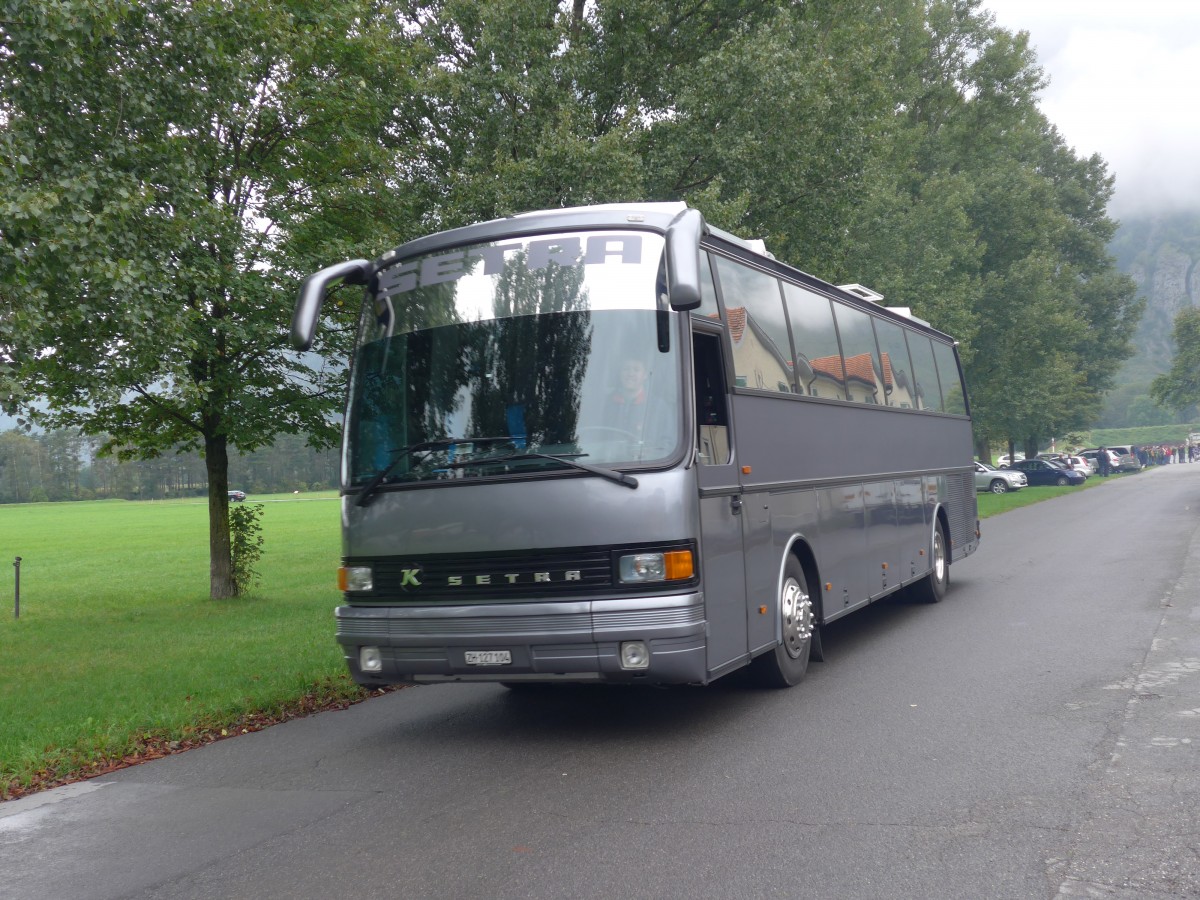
{"points": [[897, 384], [757, 360], [826, 380], [860, 382]]}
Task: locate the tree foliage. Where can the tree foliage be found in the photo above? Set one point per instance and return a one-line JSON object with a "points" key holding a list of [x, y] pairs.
{"points": [[1179, 388], [170, 170]]}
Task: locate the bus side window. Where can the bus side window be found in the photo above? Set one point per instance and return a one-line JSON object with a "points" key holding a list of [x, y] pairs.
{"points": [[898, 386], [757, 327], [953, 396], [712, 419], [818, 359], [864, 381], [927, 391], [708, 294]]}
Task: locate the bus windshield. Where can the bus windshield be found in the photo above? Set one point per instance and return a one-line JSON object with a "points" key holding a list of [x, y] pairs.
{"points": [[515, 357]]}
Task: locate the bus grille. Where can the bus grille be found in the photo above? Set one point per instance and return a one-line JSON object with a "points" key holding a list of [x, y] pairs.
{"points": [[473, 578], [961, 498]]}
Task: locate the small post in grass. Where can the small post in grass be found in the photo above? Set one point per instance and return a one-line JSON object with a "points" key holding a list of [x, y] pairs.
{"points": [[17, 589]]}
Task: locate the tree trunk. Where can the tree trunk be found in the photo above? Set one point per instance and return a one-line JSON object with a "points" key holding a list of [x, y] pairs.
{"points": [[220, 562], [983, 450]]}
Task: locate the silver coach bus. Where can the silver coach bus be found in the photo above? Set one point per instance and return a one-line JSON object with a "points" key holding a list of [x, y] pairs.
{"points": [[615, 444]]}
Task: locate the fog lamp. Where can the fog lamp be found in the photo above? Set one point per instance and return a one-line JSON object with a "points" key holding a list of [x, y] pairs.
{"points": [[634, 655], [370, 659]]}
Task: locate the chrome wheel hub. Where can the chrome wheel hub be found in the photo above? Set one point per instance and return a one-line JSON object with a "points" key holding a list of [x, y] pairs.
{"points": [[939, 556], [796, 609]]}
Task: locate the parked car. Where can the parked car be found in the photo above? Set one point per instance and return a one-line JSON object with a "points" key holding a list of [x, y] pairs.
{"points": [[1067, 460], [1004, 460], [1128, 459], [1093, 456], [998, 481], [1084, 465], [1041, 471], [237, 496]]}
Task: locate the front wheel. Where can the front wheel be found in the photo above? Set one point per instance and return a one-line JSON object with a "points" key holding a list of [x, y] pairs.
{"points": [[786, 664], [999, 486], [1062, 481], [932, 588]]}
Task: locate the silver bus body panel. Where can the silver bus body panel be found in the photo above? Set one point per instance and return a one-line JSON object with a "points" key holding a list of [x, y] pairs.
{"points": [[549, 510]]}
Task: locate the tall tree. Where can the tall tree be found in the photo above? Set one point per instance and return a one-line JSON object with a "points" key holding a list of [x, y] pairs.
{"points": [[985, 223], [1180, 387], [168, 168]]}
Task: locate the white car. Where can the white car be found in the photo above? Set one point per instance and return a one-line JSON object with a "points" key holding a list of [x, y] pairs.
{"points": [[1114, 461], [1079, 464], [1084, 466]]}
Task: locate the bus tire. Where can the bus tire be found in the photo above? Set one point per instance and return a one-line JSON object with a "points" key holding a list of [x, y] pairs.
{"points": [[932, 588], [786, 664]]}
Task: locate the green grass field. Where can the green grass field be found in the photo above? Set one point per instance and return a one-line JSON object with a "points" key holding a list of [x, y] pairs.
{"points": [[992, 504], [118, 644], [119, 649]]}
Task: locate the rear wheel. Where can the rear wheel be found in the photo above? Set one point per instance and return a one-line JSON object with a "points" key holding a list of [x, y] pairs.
{"points": [[787, 663], [999, 486], [932, 588]]}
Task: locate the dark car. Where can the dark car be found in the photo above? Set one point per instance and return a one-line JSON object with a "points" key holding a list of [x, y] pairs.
{"points": [[237, 496], [1041, 471]]}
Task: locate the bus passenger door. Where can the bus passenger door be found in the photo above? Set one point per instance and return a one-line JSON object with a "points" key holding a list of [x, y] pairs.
{"points": [[722, 561]]}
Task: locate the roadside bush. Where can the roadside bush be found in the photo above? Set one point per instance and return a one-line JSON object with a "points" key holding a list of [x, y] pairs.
{"points": [[245, 543]]}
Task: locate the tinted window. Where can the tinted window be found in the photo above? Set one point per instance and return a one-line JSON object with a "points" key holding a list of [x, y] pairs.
{"points": [[708, 295], [953, 400], [898, 386], [863, 380], [757, 327], [928, 394], [818, 358]]}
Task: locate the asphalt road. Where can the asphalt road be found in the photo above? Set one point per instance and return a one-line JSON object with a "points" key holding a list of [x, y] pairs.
{"points": [[1034, 735]]}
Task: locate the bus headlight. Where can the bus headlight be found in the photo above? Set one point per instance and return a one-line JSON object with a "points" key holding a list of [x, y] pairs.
{"points": [[645, 568], [355, 578]]}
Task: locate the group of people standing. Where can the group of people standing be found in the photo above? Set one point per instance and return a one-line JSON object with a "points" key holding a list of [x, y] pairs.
{"points": [[1164, 454]]}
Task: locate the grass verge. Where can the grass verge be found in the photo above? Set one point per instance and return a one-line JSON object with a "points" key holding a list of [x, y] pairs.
{"points": [[119, 654], [994, 504]]}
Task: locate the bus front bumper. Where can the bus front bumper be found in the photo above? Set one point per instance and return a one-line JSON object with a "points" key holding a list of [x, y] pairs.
{"points": [[542, 641]]}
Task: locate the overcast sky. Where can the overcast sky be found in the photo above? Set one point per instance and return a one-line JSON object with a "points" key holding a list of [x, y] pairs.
{"points": [[1124, 83]]}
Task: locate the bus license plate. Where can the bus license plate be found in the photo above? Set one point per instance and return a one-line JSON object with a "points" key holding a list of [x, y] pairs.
{"points": [[488, 657]]}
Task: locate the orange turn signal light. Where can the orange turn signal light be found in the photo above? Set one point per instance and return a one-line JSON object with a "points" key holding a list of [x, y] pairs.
{"points": [[679, 565]]}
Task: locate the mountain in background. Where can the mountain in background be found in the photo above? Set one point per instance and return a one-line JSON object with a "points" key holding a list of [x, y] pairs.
{"points": [[1161, 254]]}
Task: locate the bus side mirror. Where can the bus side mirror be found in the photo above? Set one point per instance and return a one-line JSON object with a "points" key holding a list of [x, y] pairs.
{"points": [[312, 295], [683, 259]]}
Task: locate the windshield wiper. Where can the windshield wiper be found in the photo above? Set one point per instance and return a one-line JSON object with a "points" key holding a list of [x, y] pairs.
{"points": [[403, 453], [619, 477]]}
